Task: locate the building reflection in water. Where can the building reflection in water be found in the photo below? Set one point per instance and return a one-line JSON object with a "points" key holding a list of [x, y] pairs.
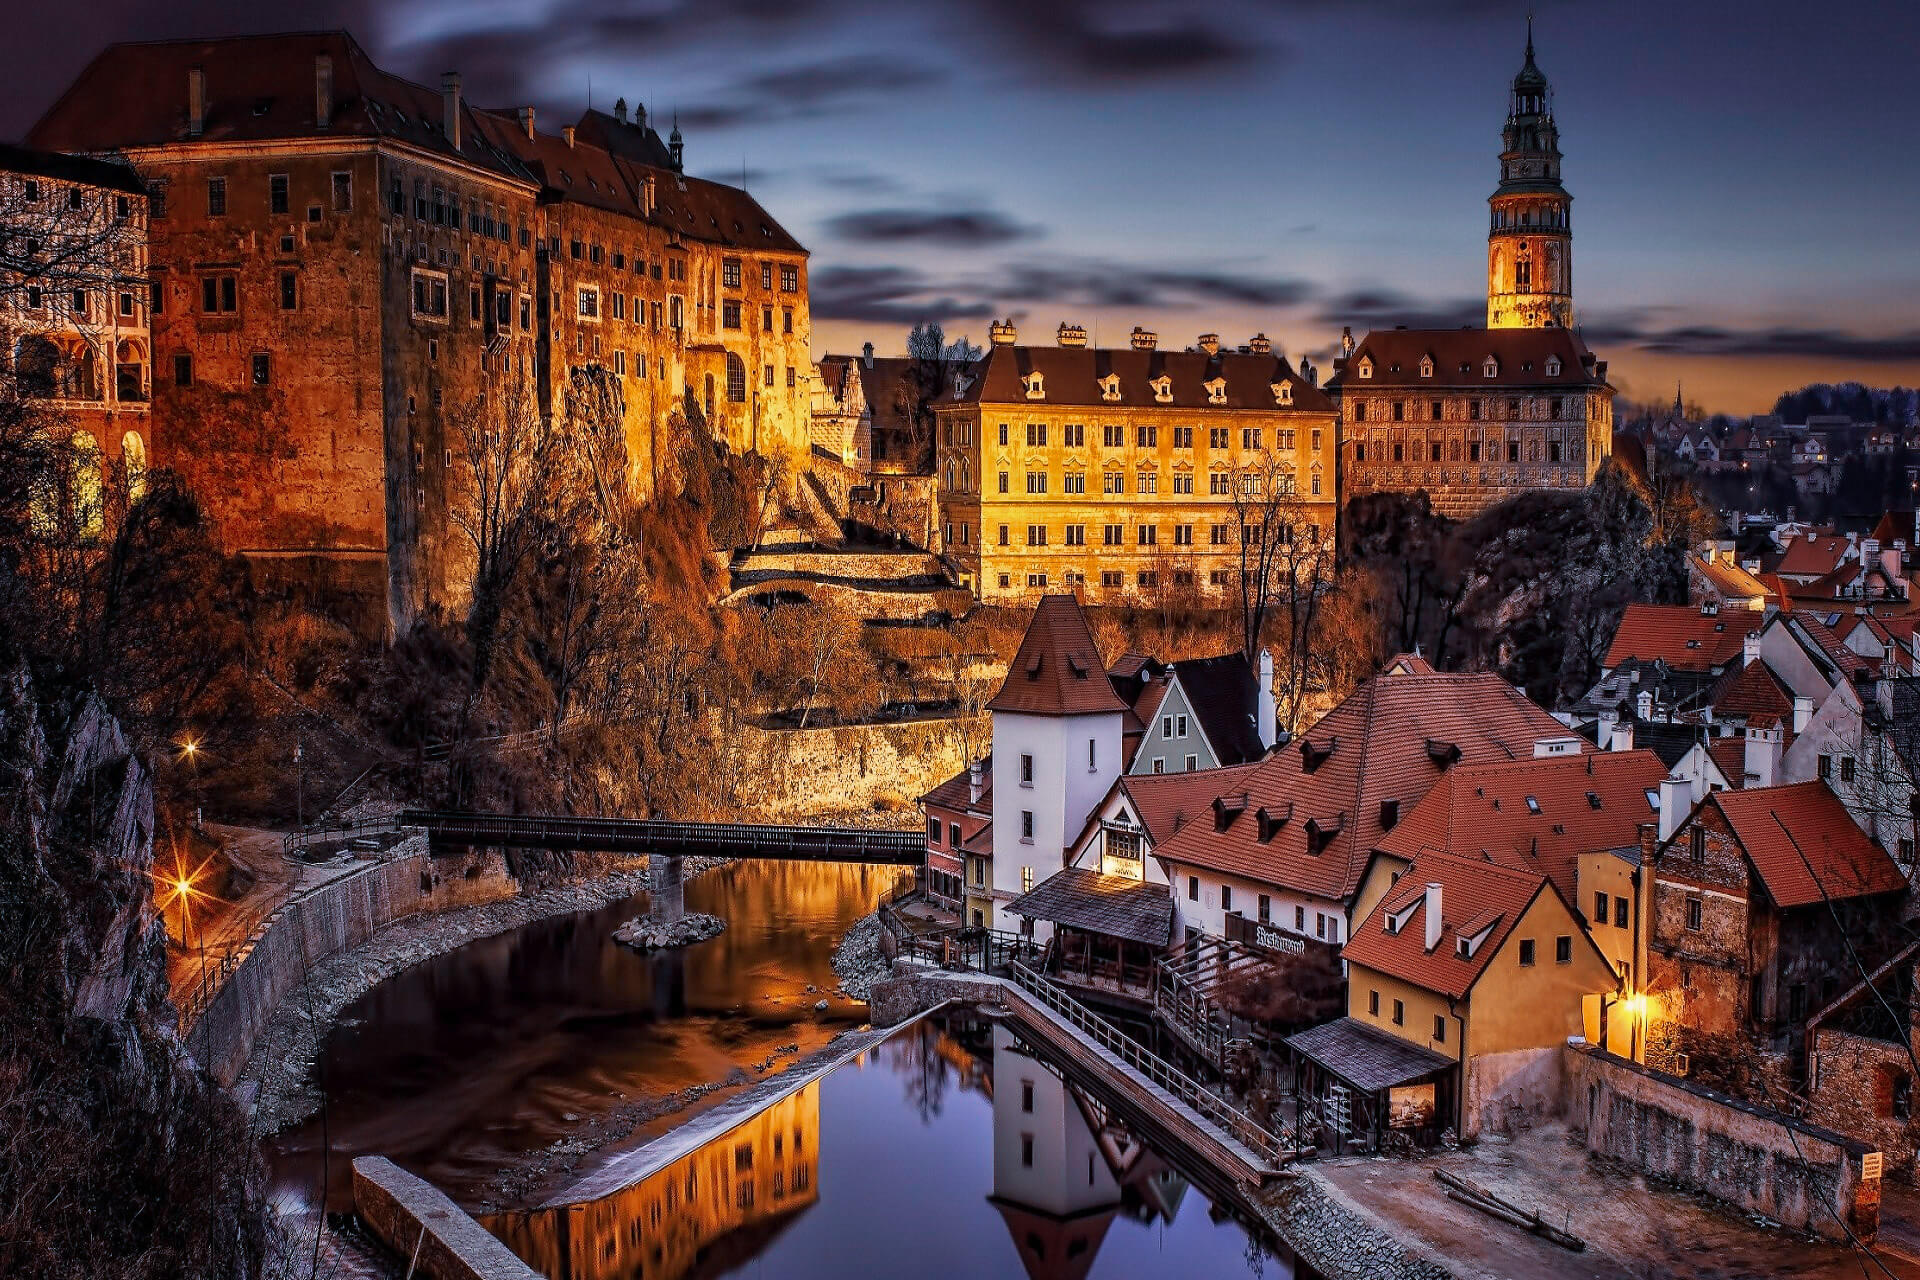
{"points": [[703, 1214], [1063, 1168]]}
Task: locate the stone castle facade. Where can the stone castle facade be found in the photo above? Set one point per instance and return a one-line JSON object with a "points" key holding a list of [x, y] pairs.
{"points": [[1474, 416], [343, 261]]}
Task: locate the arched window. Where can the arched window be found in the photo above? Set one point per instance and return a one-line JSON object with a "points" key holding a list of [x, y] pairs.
{"points": [[736, 379], [89, 511], [133, 456], [36, 366]]}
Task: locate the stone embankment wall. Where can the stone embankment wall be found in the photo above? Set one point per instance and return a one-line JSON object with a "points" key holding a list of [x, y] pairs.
{"points": [[1855, 1081], [336, 917], [865, 566], [798, 772], [420, 1224], [1750, 1157]]}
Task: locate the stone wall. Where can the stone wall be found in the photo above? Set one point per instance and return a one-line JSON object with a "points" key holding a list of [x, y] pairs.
{"points": [[870, 566], [1854, 1080], [914, 989], [799, 772], [418, 1223], [334, 918], [1757, 1160], [1508, 1092]]}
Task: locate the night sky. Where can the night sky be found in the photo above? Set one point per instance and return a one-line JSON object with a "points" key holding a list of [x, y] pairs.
{"points": [[1746, 175]]}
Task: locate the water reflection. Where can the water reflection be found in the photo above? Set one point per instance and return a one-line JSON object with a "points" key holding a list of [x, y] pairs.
{"points": [[951, 1150]]}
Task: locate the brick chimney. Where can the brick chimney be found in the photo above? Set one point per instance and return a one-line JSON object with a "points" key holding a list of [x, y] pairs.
{"points": [[450, 107], [1001, 333], [1210, 343], [196, 102], [1260, 344], [525, 116], [1070, 335], [1346, 342], [322, 90], [1144, 339]]}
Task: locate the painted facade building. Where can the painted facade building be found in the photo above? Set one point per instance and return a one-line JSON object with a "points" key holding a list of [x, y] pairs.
{"points": [[1112, 473]]}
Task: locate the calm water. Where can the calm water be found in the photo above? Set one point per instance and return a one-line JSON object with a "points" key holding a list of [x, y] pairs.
{"points": [[468, 1062], [946, 1152]]}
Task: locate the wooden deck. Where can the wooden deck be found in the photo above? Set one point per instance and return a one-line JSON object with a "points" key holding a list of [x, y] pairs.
{"points": [[1186, 1113]]}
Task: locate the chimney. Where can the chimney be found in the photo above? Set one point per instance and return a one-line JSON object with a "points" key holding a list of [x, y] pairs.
{"points": [[567, 133], [866, 355], [1433, 915], [322, 91], [1802, 715], [1750, 649], [1622, 737], [1674, 806], [1070, 335], [620, 110], [1210, 343], [1260, 344], [1763, 755], [677, 150], [1265, 715], [1606, 721], [196, 102], [647, 196], [450, 107], [1144, 339], [1643, 705], [1346, 342], [975, 782], [525, 116], [1001, 333]]}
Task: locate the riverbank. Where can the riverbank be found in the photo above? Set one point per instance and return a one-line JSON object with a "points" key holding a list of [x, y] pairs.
{"points": [[279, 1071]]}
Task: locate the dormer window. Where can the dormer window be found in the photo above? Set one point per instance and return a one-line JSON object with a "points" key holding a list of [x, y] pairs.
{"points": [[1036, 386], [960, 384], [1366, 367], [1426, 366], [1110, 387], [1283, 391], [1553, 366], [1216, 391], [1162, 389], [1313, 755], [1491, 368]]}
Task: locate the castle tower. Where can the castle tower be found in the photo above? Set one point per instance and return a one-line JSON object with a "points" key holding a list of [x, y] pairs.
{"points": [[1530, 237]]}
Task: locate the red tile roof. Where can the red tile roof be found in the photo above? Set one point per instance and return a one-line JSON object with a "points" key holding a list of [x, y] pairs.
{"points": [[1166, 802], [1580, 804], [1730, 756], [1730, 580], [1458, 357], [1073, 376], [1751, 690], [1811, 556], [1474, 894], [1851, 664], [1680, 635], [1057, 671], [956, 793], [1390, 740], [1804, 846]]}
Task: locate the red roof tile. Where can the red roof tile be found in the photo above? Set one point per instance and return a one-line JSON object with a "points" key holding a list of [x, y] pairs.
{"points": [[1580, 804], [1458, 357], [1057, 671], [1730, 757], [1390, 740], [1805, 847], [956, 793], [1751, 690], [1073, 376], [1473, 894], [1811, 556], [1166, 802], [1682, 636]]}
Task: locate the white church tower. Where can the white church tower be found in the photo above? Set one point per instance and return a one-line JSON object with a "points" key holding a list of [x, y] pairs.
{"points": [[1057, 726]]}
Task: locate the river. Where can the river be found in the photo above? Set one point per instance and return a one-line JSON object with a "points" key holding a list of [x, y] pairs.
{"points": [[945, 1151]]}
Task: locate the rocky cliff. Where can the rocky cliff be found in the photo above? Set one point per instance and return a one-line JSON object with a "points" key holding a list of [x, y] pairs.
{"points": [[118, 1156]]}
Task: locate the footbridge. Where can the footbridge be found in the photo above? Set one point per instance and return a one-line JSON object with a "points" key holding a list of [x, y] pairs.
{"points": [[451, 829]]}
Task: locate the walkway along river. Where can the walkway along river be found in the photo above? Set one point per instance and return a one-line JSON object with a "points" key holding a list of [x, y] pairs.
{"points": [[488, 1068]]}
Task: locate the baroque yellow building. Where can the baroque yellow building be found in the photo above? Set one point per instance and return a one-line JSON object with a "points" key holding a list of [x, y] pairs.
{"points": [[1113, 472]]}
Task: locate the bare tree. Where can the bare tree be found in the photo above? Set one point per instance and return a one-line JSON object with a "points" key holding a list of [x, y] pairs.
{"points": [[1267, 514], [514, 459], [934, 361]]}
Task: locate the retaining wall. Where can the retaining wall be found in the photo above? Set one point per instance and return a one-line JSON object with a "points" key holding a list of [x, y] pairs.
{"points": [[1750, 1157], [416, 1221], [335, 917], [797, 772]]}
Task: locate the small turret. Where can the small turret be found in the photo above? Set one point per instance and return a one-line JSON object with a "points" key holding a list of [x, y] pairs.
{"points": [[677, 148]]}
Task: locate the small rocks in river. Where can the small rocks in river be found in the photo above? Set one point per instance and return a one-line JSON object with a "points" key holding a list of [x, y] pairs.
{"points": [[819, 1006], [811, 988], [643, 934]]}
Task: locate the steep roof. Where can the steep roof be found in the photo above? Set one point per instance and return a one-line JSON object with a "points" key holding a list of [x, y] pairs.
{"points": [[1073, 376], [1475, 896], [956, 793], [1057, 671], [1537, 815], [108, 174], [1459, 356], [1812, 556], [1729, 580], [1804, 846], [1729, 755], [1166, 802], [1225, 698], [261, 89], [1682, 636], [1751, 690], [1117, 906], [1390, 740]]}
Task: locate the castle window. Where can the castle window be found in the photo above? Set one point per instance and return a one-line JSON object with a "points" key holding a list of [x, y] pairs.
{"points": [[1110, 387], [262, 369], [182, 370], [1163, 390], [216, 197], [276, 193], [289, 290], [1366, 368], [1438, 411], [429, 295], [1148, 437], [1399, 410], [730, 315], [766, 275], [219, 294], [589, 304], [1036, 386], [736, 379], [342, 191], [1426, 366], [789, 279], [730, 273], [1490, 368], [1283, 392], [1553, 366], [1217, 391]]}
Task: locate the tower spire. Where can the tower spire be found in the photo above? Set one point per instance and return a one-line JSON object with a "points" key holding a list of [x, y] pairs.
{"points": [[1529, 35], [1530, 233]]}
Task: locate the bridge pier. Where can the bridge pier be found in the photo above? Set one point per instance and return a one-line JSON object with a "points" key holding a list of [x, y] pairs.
{"points": [[668, 904]]}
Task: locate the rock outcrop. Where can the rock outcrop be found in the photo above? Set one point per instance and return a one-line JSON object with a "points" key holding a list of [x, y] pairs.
{"points": [[645, 934]]}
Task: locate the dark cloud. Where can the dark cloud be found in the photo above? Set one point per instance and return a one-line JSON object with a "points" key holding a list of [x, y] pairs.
{"points": [[1374, 308], [808, 90], [1821, 344], [1089, 41], [959, 228], [860, 181], [887, 295]]}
